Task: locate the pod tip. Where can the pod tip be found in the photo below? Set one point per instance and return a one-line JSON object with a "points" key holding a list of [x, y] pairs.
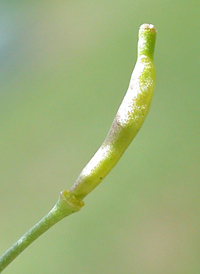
{"points": [[147, 37], [146, 27]]}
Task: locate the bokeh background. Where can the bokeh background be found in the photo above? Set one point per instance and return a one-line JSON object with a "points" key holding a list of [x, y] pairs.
{"points": [[64, 69]]}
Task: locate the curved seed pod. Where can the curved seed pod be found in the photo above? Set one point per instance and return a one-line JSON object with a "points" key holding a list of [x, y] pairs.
{"points": [[128, 120]]}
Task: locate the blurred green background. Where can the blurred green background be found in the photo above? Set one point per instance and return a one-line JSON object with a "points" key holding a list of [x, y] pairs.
{"points": [[64, 69]]}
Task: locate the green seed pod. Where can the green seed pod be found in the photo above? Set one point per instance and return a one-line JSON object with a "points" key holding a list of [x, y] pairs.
{"points": [[128, 120]]}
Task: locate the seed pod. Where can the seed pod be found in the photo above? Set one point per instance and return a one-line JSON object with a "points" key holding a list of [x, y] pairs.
{"points": [[128, 120]]}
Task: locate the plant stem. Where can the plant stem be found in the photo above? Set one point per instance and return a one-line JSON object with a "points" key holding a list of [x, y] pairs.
{"points": [[66, 205]]}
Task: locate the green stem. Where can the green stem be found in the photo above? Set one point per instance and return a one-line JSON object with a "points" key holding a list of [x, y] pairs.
{"points": [[66, 205]]}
